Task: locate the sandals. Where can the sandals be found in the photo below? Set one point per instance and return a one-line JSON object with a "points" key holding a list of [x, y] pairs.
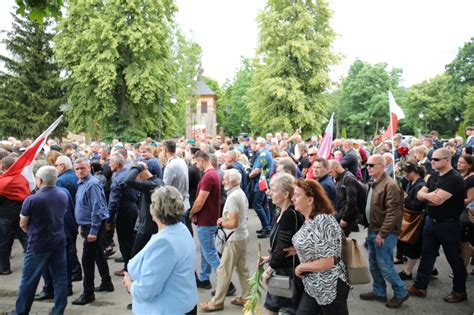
{"points": [[210, 307], [238, 301]]}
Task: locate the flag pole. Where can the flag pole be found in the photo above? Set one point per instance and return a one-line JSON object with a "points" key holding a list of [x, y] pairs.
{"points": [[391, 135]]}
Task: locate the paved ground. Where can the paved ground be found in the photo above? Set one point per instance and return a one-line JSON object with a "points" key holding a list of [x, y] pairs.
{"points": [[115, 303]]}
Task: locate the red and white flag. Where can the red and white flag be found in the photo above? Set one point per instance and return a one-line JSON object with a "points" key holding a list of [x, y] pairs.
{"points": [[325, 148], [396, 113], [18, 181]]}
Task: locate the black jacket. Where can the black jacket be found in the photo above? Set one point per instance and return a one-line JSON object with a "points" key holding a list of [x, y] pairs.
{"points": [[147, 187]]}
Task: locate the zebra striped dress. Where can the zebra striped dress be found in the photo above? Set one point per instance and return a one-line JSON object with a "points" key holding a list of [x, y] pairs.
{"points": [[320, 238]]}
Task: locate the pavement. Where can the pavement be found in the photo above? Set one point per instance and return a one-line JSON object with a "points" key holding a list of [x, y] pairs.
{"points": [[115, 302]]}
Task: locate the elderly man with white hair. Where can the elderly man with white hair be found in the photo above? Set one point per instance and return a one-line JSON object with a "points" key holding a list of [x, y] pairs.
{"points": [[234, 223], [262, 170], [42, 217]]}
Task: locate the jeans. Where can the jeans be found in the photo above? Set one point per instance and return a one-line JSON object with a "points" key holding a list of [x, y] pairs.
{"points": [[209, 257], [382, 268], [48, 279], [8, 229], [93, 252], [33, 267], [308, 304], [125, 232], [448, 235], [262, 211]]}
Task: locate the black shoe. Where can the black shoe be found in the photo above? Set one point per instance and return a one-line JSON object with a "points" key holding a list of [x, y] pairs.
{"points": [[129, 307], [84, 299], [435, 272], [107, 287], [259, 231], [69, 292], [206, 284], [42, 296], [264, 234], [109, 252], [119, 260], [76, 278], [404, 276], [6, 272], [230, 291]]}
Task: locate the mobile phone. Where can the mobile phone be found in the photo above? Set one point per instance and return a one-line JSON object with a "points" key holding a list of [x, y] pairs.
{"points": [[471, 206]]}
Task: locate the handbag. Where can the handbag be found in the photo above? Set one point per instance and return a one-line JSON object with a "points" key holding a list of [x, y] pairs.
{"points": [[281, 285], [220, 239], [412, 225], [356, 264]]}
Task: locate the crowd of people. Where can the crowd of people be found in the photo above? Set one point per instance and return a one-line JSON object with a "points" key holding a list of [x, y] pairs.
{"points": [[413, 196]]}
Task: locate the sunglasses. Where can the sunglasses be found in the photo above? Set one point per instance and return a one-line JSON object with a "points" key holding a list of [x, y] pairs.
{"points": [[372, 165], [312, 154], [437, 159]]}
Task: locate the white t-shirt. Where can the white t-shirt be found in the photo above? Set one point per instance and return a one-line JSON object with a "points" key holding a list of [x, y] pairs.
{"points": [[236, 202]]}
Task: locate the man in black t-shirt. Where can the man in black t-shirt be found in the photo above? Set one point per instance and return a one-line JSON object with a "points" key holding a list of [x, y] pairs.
{"points": [[303, 161], [444, 193]]}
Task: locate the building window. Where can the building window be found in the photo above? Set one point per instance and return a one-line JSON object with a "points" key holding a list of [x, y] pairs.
{"points": [[203, 107]]}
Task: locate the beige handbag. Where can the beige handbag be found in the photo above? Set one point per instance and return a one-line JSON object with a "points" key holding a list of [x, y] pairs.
{"points": [[356, 264]]}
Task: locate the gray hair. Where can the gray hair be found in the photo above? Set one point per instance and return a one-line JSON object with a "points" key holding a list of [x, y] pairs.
{"points": [[48, 175], [261, 141], [117, 158], [167, 205], [64, 160], [213, 160], [232, 154], [303, 147], [82, 160], [284, 182], [234, 175], [288, 165]]}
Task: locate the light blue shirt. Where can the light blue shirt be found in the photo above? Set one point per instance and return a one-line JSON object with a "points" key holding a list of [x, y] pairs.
{"points": [[163, 273]]}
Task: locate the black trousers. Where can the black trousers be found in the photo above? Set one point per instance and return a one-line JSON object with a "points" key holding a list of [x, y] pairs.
{"points": [[125, 225], [140, 242], [93, 253], [309, 306], [76, 268]]}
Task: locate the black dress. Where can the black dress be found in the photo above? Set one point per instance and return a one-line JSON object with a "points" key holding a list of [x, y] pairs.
{"points": [[412, 203], [280, 238], [467, 232]]}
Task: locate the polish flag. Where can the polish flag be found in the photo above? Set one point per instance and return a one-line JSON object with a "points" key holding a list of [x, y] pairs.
{"points": [[18, 181], [396, 113], [325, 148]]}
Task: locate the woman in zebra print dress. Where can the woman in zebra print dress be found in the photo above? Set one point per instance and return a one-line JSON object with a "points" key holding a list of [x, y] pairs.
{"points": [[318, 244]]}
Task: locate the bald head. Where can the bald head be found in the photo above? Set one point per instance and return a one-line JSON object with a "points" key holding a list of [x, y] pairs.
{"points": [[375, 166]]}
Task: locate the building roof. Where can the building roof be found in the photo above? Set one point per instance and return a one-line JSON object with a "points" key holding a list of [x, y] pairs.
{"points": [[202, 88]]}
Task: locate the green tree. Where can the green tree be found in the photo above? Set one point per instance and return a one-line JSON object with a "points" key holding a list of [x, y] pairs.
{"points": [[430, 105], [292, 65], [364, 97], [187, 57], [234, 103], [30, 88], [461, 71], [119, 67], [38, 10]]}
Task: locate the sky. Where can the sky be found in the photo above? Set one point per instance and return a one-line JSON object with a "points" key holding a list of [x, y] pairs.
{"points": [[419, 36]]}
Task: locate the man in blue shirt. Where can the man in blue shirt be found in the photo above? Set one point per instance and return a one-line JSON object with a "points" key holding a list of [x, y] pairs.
{"points": [[262, 169], [42, 217], [123, 209], [91, 212], [153, 164]]}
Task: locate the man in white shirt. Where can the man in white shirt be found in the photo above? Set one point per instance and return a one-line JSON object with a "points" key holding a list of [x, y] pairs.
{"points": [[234, 222]]}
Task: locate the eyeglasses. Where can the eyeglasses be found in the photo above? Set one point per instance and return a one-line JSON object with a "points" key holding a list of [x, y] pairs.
{"points": [[437, 159], [59, 164], [372, 165], [312, 154]]}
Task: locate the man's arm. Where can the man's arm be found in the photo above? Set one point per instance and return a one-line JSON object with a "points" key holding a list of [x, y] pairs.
{"points": [[232, 222], [393, 209], [24, 222], [114, 199], [199, 203], [255, 172], [97, 204]]}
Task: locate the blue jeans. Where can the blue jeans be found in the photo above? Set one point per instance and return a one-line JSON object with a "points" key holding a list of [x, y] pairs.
{"points": [[8, 229], [382, 268], [209, 257], [260, 208], [33, 267], [448, 235]]}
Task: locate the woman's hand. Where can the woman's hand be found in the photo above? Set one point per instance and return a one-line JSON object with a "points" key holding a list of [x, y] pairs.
{"points": [[298, 271], [290, 251], [263, 260], [267, 275], [127, 281]]}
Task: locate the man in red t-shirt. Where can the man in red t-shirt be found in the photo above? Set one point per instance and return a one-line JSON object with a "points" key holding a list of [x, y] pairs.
{"points": [[205, 212]]}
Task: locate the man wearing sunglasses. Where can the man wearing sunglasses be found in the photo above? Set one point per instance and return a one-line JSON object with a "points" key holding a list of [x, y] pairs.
{"points": [[444, 193], [384, 214]]}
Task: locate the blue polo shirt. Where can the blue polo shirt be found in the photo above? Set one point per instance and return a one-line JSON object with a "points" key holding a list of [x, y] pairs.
{"points": [[45, 211]]}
